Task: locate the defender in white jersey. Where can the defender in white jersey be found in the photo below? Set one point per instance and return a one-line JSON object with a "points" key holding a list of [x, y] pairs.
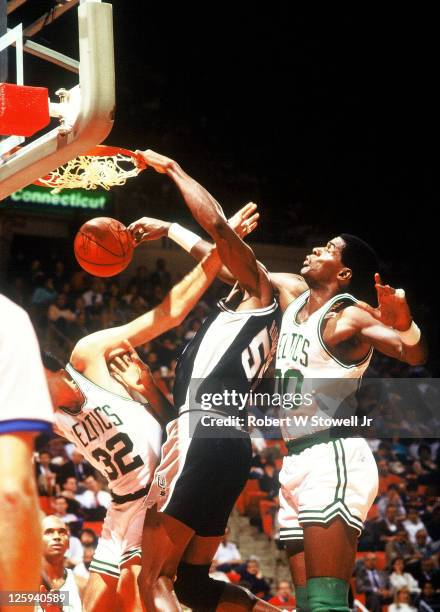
{"points": [[119, 436], [327, 334], [329, 482]]}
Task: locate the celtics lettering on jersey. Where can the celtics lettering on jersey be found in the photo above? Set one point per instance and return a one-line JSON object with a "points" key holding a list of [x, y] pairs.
{"points": [[305, 364], [118, 436]]}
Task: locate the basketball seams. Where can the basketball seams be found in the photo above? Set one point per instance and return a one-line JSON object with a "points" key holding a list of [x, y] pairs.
{"points": [[103, 247]]}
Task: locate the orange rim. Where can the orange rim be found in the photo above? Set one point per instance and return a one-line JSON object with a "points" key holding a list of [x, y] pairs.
{"points": [[109, 150]]}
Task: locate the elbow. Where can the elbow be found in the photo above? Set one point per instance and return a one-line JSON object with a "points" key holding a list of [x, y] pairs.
{"points": [[218, 227], [16, 493]]}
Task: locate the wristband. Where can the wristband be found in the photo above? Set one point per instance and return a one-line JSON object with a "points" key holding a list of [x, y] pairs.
{"points": [[411, 336], [183, 237]]}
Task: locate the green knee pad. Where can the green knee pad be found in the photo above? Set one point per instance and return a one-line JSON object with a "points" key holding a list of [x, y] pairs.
{"points": [[327, 595], [302, 605]]}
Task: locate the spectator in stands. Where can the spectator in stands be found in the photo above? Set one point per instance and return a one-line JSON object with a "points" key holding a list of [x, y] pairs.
{"points": [[386, 530], [161, 277], [374, 583], [216, 573], [400, 547], [424, 464], [424, 571], [251, 574], [94, 500], [424, 547], [82, 569], [283, 598], [386, 478], [60, 314], [269, 481], [60, 510], [45, 474], [431, 518], [75, 553], [412, 497], [77, 467], [402, 602], [400, 579], [69, 491], [88, 538], [429, 600], [44, 292], [413, 524], [391, 497], [227, 556]]}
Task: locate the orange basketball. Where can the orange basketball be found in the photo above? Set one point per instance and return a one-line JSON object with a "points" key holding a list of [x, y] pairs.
{"points": [[103, 247]]}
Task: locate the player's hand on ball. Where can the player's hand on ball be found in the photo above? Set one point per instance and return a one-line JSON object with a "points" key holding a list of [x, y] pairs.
{"points": [[392, 309], [147, 228], [157, 161], [130, 371], [245, 220]]}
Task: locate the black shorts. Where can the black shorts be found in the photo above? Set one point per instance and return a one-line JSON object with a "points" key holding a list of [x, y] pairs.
{"points": [[200, 478]]}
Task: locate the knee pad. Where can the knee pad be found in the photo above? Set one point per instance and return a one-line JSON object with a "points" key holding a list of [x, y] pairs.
{"points": [[195, 589]]}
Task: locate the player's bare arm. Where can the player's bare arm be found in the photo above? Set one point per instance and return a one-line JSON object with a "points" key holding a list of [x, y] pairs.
{"points": [[237, 256], [385, 328], [243, 222], [91, 353], [135, 376]]}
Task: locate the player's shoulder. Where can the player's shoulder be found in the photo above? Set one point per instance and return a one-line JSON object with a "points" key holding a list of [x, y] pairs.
{"points": [[352, 314], [15, 316], [292, 283]]}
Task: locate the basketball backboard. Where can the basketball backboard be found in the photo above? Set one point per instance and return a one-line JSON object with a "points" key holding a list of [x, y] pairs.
{"points": [[84, 112]]}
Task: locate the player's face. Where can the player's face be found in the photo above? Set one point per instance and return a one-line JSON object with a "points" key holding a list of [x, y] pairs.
{"points": [[64, 391], [324, 264], [55, 537]]}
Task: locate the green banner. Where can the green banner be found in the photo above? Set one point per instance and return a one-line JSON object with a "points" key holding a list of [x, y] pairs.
{"points": [[37, 198]]}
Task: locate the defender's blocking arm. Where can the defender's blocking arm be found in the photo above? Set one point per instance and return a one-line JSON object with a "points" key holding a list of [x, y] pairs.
{"points": [[178, 302]]}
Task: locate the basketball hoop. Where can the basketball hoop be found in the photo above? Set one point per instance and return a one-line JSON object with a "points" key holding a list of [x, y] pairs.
{"points": [[102, 166]]}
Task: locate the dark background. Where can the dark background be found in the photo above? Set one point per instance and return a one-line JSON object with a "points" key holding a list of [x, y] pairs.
{"points": [[328, 120]]}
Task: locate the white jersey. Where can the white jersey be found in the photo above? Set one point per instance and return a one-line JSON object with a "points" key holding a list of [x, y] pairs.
{"points": [[69, 589], [24, 397], [305, 365], [117, 435]]}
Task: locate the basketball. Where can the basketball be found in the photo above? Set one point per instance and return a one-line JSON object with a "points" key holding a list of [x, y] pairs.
{"points": [[103, 247]]}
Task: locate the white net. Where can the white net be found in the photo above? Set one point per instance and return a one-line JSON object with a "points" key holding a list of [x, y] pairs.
{"points": [[92, 171]]}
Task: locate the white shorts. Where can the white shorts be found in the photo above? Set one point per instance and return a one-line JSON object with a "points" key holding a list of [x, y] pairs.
{"points": [[121, 537], [336, 478]]}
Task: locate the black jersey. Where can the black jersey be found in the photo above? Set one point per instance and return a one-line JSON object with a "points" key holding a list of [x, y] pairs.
{"points": [[230, 352]]}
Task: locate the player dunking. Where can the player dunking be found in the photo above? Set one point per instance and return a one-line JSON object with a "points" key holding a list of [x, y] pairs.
{"points": [[199, 478], [329, 484], [120, 437]]}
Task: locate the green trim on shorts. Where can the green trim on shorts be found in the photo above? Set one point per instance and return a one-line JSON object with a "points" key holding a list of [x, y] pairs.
{"points": [[112, 570]]}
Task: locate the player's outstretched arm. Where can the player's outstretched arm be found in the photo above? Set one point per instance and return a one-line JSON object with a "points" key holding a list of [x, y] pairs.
{"points": [[177, 304], [237, 256], [243, 222], [135, 376], [389, 328]]}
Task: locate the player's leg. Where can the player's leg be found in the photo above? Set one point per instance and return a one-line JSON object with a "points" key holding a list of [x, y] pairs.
{"points": [[128, 590], [330, 552], [164, 540], [101, 590], [101, 593], [297, 566], [291, 533], [20, 531], [197, 590], [334, 499]]}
